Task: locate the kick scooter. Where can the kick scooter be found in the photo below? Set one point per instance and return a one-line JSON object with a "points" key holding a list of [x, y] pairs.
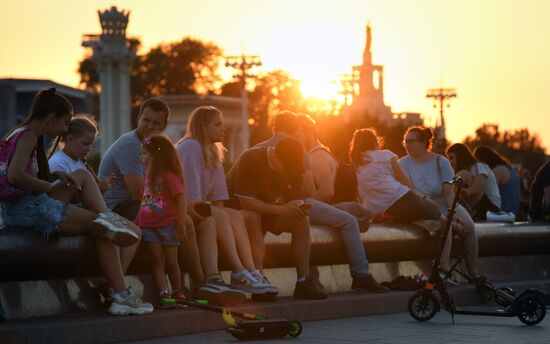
{"points": [[529, 306], [252, 326]]}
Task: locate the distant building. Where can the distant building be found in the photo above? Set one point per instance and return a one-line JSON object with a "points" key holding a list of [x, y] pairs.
{"points": [[181, 107], [368, 94], [16, 98]]}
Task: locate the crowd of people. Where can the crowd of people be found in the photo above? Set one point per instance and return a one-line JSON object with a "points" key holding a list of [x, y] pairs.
{"points": [[177, 198]]}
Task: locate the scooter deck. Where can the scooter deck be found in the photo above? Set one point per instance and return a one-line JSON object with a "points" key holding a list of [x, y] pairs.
{"points": [[260, 329], [485, 311]]}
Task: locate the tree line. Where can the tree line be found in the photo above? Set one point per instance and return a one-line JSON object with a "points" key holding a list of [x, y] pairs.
{"points": [[192, 66]]}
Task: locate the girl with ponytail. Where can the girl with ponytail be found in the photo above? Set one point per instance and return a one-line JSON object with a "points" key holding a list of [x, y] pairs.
{"points": [[31, 199]]}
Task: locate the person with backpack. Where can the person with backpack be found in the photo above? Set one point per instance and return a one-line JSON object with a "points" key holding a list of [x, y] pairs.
{"points": [[31, 197], [335, 180], [427, 172], [288, 124]]}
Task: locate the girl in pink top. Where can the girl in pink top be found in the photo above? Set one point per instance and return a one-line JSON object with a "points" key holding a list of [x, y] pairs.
{"points": [[162, 213]]}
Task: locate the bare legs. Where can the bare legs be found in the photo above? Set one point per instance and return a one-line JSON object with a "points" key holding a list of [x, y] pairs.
{"points": [[113, 260], [165, 260]]}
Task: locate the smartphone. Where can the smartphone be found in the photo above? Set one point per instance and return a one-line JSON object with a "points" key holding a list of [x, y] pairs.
{"points": [[305, 206], [203, 209]]}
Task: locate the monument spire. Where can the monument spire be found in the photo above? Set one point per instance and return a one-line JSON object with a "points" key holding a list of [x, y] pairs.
{"points": [[367, 55]]}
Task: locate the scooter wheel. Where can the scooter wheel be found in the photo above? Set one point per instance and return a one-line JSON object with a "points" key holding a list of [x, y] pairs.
{"points": [[531, 310], [423, 305], [295, 328]]}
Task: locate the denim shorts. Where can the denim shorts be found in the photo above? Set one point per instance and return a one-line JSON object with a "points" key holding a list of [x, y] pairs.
{"points": [[36, 211], [165, 236]]}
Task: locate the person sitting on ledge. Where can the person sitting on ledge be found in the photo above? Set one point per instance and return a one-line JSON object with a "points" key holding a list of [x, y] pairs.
{"points": [[33, 198], [269, 181], [481, 189]]}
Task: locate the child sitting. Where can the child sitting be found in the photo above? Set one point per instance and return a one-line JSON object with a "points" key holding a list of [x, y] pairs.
{"points": [[30, 199], [77, 143]]}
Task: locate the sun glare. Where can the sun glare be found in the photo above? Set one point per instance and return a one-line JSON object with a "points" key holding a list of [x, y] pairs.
{"points": [[319, 88]]}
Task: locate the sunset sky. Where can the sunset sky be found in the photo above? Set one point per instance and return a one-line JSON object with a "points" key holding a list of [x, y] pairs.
{"points": [[496, 53]]}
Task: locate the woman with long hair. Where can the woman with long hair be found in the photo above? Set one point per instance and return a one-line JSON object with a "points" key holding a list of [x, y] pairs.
{"points": [[383, 187], [481, 189], [201, 151], [506, 176], [428, 173], [32, 197]]}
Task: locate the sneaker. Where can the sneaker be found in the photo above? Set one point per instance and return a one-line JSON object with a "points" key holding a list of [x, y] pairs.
{"points": [[478, 280], [448, 280], [364, 224], [368, 283], [217, 292], [308, 289], [114, 227], [271, 289], [178, 295], [431, 226], [166, 300], [105, 293], [129, 305], [248, 283]]}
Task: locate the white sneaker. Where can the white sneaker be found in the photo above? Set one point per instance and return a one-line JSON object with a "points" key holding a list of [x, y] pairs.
{"points": [[249, 283], [114, 227], [271, 289], [129, 305], [448, 280]]}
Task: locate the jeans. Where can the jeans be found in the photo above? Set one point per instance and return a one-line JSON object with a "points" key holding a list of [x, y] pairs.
{"points": [[325, 214]]}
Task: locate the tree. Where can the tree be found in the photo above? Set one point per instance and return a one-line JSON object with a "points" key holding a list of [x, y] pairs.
{"points": [[519, 146], [189, 66], [272, 92]]}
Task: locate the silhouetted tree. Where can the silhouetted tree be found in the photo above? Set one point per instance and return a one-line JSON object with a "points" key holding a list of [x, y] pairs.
{"points": [[189, 66]]}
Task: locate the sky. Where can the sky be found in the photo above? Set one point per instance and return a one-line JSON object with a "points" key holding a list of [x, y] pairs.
{"points": [[495, 53]]}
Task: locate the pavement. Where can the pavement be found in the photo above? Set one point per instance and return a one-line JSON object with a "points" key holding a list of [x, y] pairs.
{"points": [[328, 321], [395, 328]]}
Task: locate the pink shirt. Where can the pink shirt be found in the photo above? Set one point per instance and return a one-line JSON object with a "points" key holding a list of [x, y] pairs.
{"points": [[159, 208]]}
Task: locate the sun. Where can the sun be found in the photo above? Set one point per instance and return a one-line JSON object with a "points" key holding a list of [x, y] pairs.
{"points": [[318, 87]]}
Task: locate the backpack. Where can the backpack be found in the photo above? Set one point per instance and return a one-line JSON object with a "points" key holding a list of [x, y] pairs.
{"points": [[345, 181], [7, 149]]}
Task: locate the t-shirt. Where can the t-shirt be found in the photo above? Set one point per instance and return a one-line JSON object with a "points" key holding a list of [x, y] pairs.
{"points": [[320, 153], [491, 186], [378, 187], [428, 178], [60, 161], [542, 180], [201, 183], [122, 158], [252, 176], [158, 204]]}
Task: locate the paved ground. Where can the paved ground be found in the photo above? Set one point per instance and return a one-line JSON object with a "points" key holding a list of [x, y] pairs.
{"points": [[397, 328]]}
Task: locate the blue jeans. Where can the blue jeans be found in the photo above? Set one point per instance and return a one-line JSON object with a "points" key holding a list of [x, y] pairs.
{"points": [[327, 215]]}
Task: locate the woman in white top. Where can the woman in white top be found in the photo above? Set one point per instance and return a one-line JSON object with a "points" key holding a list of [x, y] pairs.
{"points": [[427, 172], [481, 189], [383, 187]]}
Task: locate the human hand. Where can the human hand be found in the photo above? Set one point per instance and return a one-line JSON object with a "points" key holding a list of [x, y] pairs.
{"points": [[294, 209], [107, 182]]}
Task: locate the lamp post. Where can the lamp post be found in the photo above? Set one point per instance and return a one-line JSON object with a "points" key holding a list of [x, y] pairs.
{"points": [[242, 64], [441, 97]]}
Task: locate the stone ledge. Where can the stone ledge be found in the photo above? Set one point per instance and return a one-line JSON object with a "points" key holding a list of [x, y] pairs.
{"points": [[25, 255]]}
